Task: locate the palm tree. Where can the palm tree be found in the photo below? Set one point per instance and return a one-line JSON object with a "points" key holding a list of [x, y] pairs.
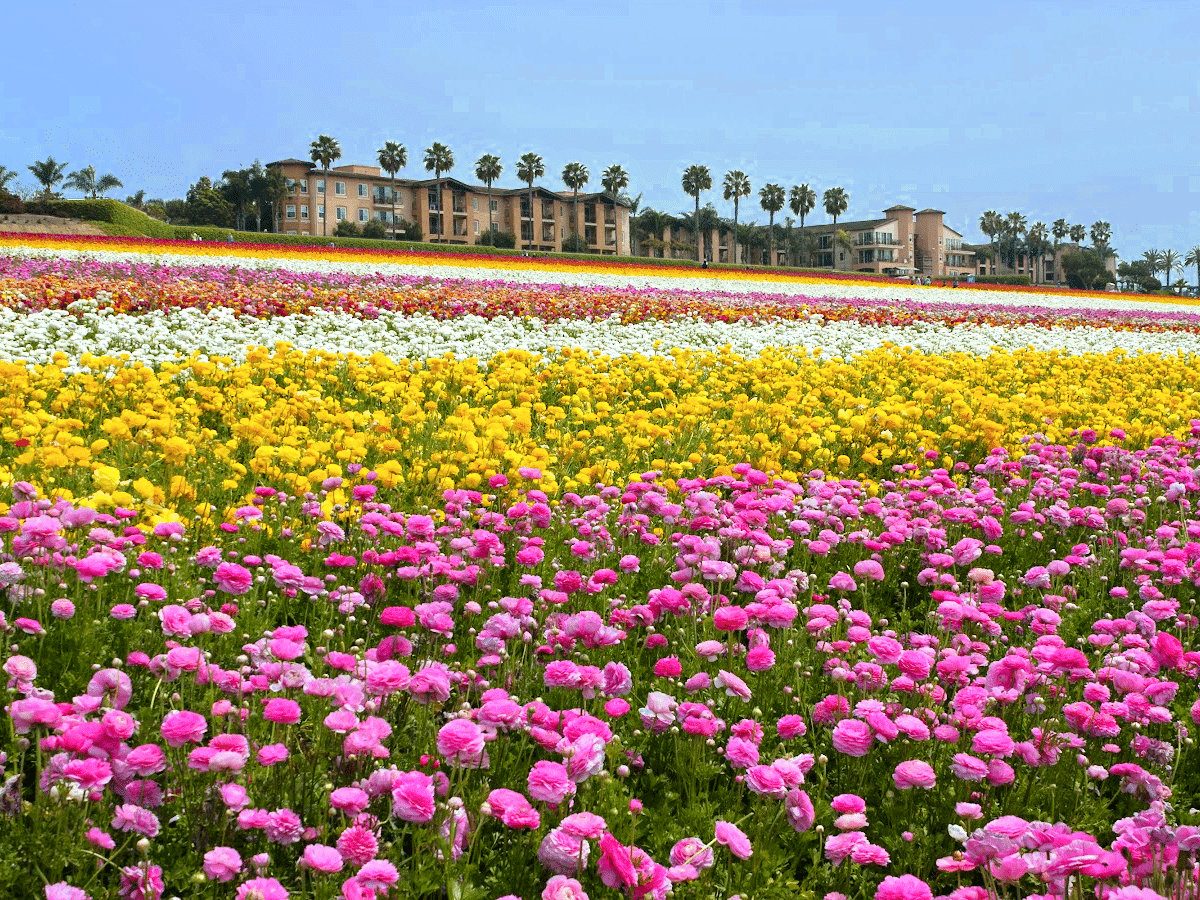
{"points": [[326, 151], [696, 179], [1153, 260], [487, 170], [49, 173], [6, 175], [614, 180], [836, 200], [1078, 233], [438, 159], [392, 158], [575, 175], [1170, 263], [1059, 229], [802, 199], [1193, 259], [85, 181], [650, 225], [1101, 235], [1035, 244], [991, 223], [529, 168], [1013, 228], [735, 186], [137, 201], [771, 198]]}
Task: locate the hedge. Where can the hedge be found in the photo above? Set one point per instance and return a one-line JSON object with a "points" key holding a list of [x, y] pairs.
{"points": [[129, 222], [1002, 279]]}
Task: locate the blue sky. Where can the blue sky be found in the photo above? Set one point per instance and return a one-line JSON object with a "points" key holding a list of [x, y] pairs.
{"points": [[1080, 110]]}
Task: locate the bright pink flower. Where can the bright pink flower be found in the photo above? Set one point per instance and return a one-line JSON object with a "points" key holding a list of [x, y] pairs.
{"points": [[729, 835], [549, 783], [852, 737], [904, 887], [261, 889], [281, 710], [914, 773], [413, 797], [732, 685], [461, 744], [64, 891], [358, 845], [560, 887], [563, 853], [222, 863], [232, 578], [322, 858], [182, 726]]}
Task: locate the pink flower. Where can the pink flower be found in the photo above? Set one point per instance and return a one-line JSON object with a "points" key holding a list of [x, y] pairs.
{"points": [[182, 726], [732, 685], [549, 783], [461, 744], [800, 812], [790, 726], [563, 853], [64, 891], [358, 845], [560, 887], [413, 797], [668, 667], [512, 808], [378, 874], [283, 827], [349, 800], [692, 851], [322, 858], [914, 773], [281, 710], [261, 889], [729, 835], [904, 887], [222, 863], [853, 737], [232, 578]]}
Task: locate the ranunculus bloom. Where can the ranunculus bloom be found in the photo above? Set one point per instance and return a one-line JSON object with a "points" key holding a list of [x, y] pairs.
{"points": [[322, 858], [914, 773], [461, 743], [904, 887], [182, 726], [549, 783], [729, 835], [852, 737], [413, 797], [560, 887], [222, 863]]}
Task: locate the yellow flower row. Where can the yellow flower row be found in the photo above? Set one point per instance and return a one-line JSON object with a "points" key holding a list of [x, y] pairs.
{"points": [[208, 432]]}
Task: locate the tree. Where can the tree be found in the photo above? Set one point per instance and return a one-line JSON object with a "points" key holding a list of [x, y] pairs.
{"points": [[206, 205], [1101, 233], [1153, 260], [1013, 228], [696, 179], [1193, 259], [438, 159], [836, 200], [1138, 273], [392, 158], [137, 201], [325, 150], [1059, 229], [802, 199], [771, 198], [1084, 269], [1170, 263], [575, 175], [649, 227], [735, 186], [6, 175], [487, 170], [991, 223], [1036, 244], [235, 186], [615, 179], [1078, 233], [529, 168], [85, 181], [49, 173], [375, 230], [268, 187]]}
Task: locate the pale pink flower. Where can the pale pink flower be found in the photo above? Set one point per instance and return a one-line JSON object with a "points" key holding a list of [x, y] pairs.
{"points": [[560, 887], [729, 835], [222, 863], [322, 858], [914, 773]]}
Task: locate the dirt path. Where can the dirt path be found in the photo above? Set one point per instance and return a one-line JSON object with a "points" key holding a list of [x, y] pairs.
{"points": [[26, 223]]}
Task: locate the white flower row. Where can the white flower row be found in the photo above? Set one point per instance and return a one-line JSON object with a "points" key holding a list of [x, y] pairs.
{"points": [[899, 290], [159, 337]]}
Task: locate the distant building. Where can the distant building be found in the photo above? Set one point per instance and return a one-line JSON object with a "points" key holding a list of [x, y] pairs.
{"points": [[360, 194], [1044, 269], [901, 242]]}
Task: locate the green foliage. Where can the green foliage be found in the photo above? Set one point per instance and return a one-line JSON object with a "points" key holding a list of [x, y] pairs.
{"points": [[113, 216], [575, 244], [207, 205], [1002, 279], [11, 203], [375, 229], [503, 239], [1085, 270], [346, 228]]}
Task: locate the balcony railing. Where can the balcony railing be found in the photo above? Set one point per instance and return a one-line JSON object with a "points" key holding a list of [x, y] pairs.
{"points": [[874, 240]]}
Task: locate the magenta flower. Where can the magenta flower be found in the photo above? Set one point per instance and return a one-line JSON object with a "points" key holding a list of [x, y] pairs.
{"points": [[914, 773], [560, 887], [182, 726], [261, 889], [222, 863], [729, 835], [549, 783], [413, 797], [904, 887], [852, 737]]}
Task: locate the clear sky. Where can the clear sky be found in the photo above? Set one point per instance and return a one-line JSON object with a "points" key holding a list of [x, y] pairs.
{"points": [[1081, 110]]}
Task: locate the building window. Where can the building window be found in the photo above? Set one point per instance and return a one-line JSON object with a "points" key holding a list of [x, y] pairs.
{"points": [[339, 188], [475, 204], [362, 190], [589, 233], [320, 185], [363, 215], [495, 205], [477, 226], [291, 185], [304, 187], [304, 212], [433, 223], [321, 211], [291, 211], [341, 213]]}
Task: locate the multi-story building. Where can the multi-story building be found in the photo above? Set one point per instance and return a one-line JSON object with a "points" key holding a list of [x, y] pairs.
{"points": [[902, 242], [1044, 269], [449, 210]]}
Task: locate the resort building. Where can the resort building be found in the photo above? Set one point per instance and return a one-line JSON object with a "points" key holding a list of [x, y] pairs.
{"points": [[449, 210], [902, 242], [1044, 269]]}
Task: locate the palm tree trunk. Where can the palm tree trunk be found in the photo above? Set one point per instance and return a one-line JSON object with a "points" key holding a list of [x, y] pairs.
{"points": [[699, 251], [325, 203], [491, 227], [393, 206], [833, 256]]}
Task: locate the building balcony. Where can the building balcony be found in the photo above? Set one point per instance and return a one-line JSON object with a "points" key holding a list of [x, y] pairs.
{"points": [[871, 240]]}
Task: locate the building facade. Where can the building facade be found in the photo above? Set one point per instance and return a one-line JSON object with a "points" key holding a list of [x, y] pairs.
{"points": [[904, 241], [448, 210], [1044, 269]]}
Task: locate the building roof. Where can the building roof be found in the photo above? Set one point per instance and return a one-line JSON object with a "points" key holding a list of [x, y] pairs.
{"points": [[861, 225], [289, 162], [940, 212], [899, 207]]}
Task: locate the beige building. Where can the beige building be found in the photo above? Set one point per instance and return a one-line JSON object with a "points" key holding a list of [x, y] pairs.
{"points": [[902, 242], [315, 204], [1045, 269]]}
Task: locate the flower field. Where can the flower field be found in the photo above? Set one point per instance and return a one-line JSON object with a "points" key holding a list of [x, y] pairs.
{"points": [[358, 575]]}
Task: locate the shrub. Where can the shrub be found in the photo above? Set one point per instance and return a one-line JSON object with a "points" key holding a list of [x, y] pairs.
{"points": [[503, 239], [112, 212], [346, 228], [575, 244], [11, 203], [375, 229], [999, 279]]}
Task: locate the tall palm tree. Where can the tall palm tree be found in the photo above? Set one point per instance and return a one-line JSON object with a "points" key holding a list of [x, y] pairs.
{"points": [[326, 151], [836, 200], [392, 158], [1101, 233], [438, 159], [771, 198], [1060, 229], [802, 199], [1170, 263], [696, 179], [85, 181], [487, 170], [991, 223], [49, 173], [614, 180], [529, 168], [1078, 233], [1193, 259], [1014, 228], [575, 175], [1153, 260], [6, 175], [1035, 243], [735, 186]]}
